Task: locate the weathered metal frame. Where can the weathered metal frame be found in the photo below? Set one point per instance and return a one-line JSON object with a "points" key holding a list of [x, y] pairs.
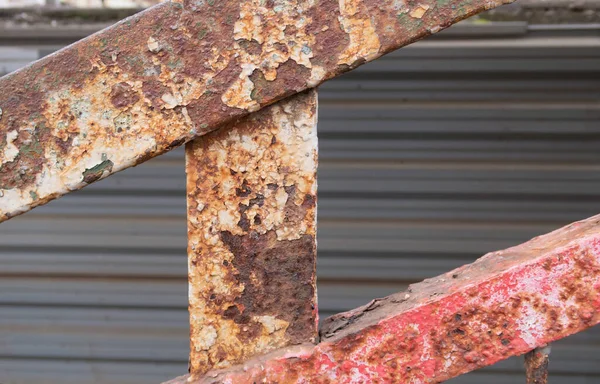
{"points": [[185, 68], [507, 303], [180, 70]]}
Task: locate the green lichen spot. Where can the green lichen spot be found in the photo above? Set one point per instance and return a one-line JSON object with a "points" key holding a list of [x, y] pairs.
{"points": [[202, 33], [174, 64], [34, 148], [34, 196], [123, 122], [401, 17], [95, 173]]}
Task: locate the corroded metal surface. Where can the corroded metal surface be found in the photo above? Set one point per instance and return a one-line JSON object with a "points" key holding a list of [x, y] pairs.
{"points": [[506, 303], [536, 365], [179, 70], [252, 235]]}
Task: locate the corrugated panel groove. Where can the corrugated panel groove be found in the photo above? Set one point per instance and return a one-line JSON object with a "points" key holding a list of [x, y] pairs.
{"points": [[430, 158]]}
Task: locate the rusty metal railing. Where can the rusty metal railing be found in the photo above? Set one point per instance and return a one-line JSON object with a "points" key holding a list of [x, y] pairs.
{"points": [[177, 72], [180, 70]]}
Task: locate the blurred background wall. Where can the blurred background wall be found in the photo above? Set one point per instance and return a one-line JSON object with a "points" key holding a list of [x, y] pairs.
{"points": [[474, 140]]}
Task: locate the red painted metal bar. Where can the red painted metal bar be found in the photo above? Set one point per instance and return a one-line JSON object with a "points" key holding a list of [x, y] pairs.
{"points": [[507, 303], [252, 193], [180, 70]]}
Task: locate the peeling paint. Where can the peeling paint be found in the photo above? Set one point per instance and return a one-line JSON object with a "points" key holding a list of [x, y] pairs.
{"points": [[10, 150], [97, 172], [317, 74], [364, 41], [180, 70], [153, 45], [277, 34], [419, 11], [252, 235]]}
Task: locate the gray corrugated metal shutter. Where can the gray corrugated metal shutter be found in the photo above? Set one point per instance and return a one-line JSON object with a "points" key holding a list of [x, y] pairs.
{"points": [[430, 158]]}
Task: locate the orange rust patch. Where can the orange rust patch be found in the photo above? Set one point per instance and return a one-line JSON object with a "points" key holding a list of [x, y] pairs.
{"points": [[252, 228]]}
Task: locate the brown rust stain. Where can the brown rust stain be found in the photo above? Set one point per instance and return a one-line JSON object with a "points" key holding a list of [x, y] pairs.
{"points": [[123, 95], [276, 281], [252, 227], [182, 69]]}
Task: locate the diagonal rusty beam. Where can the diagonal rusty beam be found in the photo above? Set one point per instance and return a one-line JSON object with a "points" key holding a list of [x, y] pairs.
{"points": [[251, 191], [182, 69], [507, 303]]}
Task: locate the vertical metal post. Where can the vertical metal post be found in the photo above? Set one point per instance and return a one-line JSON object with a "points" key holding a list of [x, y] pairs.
{"points": [[251, 194], [536, 365]]}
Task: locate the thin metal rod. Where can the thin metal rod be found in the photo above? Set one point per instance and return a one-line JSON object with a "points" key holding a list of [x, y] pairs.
{"points": [[536, 365]]}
